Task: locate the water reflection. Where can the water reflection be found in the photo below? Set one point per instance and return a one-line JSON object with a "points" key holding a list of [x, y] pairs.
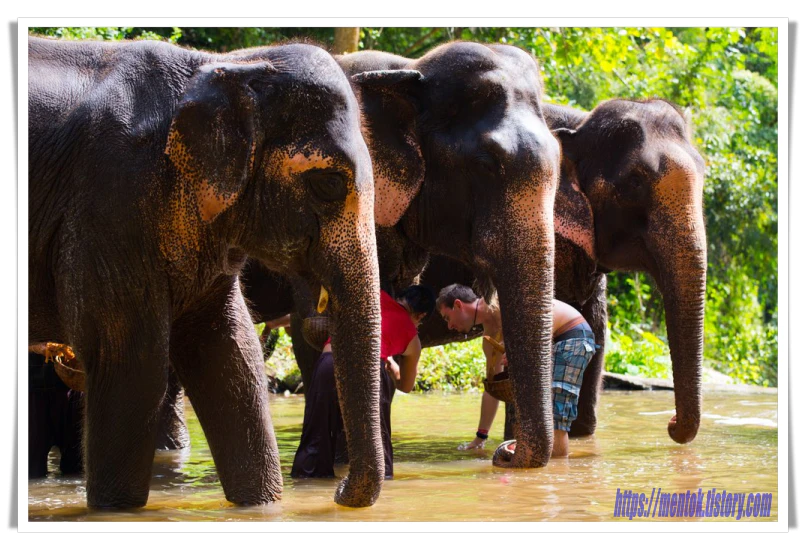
{"points": [[436, 482]]}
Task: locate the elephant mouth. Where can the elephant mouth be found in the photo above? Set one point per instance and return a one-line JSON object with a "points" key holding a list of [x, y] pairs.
{"points": [[289, 257]]}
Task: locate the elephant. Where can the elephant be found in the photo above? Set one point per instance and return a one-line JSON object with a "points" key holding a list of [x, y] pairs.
{"points": [[464, 166], [630, 199], [154, 172]]}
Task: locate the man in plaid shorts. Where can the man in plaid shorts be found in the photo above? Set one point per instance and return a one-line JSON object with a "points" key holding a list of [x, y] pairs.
{"points": [[573, 348]]}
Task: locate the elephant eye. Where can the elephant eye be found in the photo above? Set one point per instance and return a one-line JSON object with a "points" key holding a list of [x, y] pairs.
{"points": [[327, 185]]}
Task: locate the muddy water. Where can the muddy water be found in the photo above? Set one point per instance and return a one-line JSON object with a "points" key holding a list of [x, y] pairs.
{"points": [[736, 450]]}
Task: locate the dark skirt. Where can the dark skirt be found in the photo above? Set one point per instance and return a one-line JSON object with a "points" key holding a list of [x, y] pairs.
{"points": [[55, 417], [322, 425]]}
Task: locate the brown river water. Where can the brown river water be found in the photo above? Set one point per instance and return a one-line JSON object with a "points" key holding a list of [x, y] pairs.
{"points": [[736, 450]]}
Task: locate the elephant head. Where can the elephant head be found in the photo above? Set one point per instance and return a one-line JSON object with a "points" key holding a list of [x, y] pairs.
{"points": [[631, 199], [465, 166], [269, 152]]}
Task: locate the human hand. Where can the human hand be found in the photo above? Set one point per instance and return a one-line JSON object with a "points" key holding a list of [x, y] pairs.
{"points": [[393, 369], [504, 360], [477, 443]]}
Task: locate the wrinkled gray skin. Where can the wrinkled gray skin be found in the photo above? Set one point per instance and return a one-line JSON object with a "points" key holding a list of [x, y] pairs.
{"points": [[154, 171]]}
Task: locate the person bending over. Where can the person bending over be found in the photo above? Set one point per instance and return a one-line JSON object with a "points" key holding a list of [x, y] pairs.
{"points": [[573, 348], [322, 422]]}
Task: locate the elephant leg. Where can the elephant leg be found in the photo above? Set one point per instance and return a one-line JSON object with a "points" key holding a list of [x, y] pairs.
{"points": [[127, 375], [172, 433], [217, 355], [305, 354], [595, 312]]}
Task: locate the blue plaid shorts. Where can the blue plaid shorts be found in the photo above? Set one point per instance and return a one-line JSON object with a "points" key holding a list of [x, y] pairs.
{"points": [[570, 359]]}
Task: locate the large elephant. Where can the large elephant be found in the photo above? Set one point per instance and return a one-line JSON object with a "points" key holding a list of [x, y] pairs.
{"points": [[464, 166], [630, 199], [154, 171]]}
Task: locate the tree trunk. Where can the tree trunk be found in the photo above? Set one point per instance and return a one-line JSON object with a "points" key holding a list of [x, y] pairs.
{"points": [[346, 40]]}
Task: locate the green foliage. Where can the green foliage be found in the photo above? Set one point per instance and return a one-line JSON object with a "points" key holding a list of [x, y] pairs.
{"points": [[736, 341], [459, 366], [173, 35], [220, 39], [725, 79], [282, 365], [635, 310], [638, 353]]}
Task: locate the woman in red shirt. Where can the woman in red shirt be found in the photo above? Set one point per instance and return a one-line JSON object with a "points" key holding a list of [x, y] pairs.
{"points": [[322, 423]]}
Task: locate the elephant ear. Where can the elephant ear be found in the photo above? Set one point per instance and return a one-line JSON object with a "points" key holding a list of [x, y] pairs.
{"points": [[567, 139], [390, 104], [573, 214], [213, 134]]}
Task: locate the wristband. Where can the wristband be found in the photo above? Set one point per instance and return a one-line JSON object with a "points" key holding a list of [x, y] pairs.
{"points": [[482, 434]]}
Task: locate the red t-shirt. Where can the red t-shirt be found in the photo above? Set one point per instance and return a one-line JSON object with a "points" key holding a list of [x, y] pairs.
{"points": [[397, 330]]}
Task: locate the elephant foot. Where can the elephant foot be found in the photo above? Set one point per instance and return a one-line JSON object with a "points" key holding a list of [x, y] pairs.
{"points": [[681, 433], [357, 493], [503, 455], [254, 498], [116, 500]]}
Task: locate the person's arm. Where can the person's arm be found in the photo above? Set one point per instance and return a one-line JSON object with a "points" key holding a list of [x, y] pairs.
{"points": [[280, 322], [41, 348], [489, 404], [408, 366]]}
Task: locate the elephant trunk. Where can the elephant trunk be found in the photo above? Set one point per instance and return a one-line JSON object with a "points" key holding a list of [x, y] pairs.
{"points": [[524, 278], [678, 246], [351, 277]]}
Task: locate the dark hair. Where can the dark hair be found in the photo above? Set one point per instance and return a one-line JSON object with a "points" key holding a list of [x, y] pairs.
{"points": [[451, 293], [420, 299]]}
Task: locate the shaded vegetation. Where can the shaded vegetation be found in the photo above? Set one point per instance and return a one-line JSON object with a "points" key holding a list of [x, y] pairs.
{"points": [[725, 79]]}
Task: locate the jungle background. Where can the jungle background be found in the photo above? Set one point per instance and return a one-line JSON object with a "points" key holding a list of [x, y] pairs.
{"points": [[726, 81]]}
